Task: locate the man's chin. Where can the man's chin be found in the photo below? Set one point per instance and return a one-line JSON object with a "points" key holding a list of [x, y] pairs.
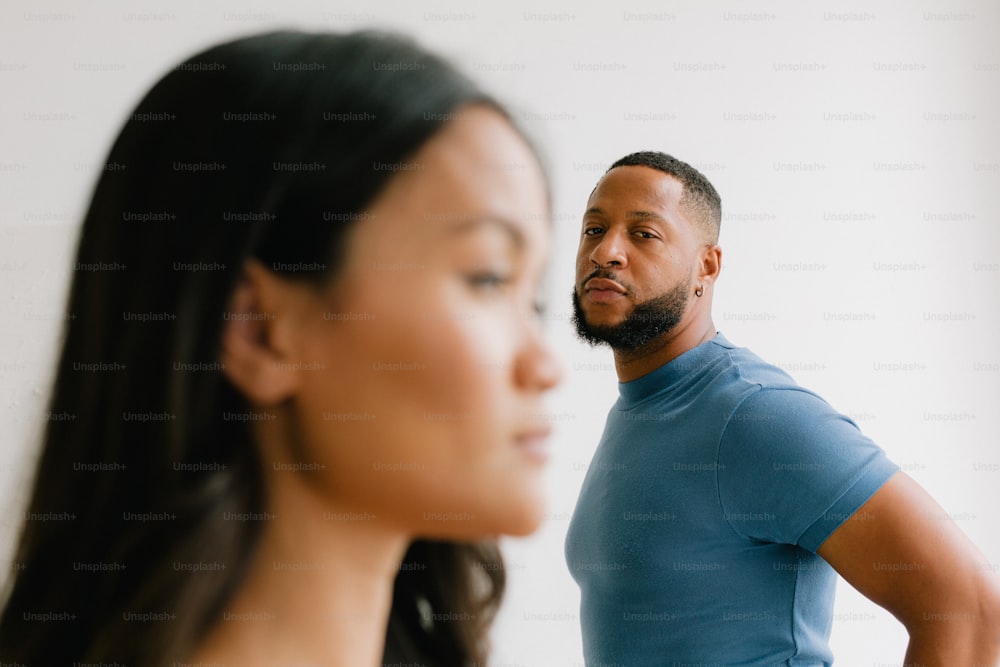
{"points": [[596, 333], [596, 324], [597, 314], [602, 321]]}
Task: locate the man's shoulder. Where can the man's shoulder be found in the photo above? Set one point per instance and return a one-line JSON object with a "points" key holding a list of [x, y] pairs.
{"points": [[742, 382], [749, 369]]}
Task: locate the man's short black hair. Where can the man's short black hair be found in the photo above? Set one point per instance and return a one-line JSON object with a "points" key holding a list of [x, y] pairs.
{"points": [[699, 197]]}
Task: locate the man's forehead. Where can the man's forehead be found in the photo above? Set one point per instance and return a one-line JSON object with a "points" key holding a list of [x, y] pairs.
{"points": [[642, 189]]}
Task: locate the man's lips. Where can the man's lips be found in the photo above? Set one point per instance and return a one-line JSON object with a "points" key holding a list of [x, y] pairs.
{"points": [[603, 290], [603, 284]]}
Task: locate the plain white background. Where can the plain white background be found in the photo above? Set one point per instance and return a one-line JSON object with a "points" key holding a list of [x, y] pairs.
{"points": [[855, 145]]}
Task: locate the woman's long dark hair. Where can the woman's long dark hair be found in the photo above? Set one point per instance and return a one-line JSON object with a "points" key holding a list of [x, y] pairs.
{"points": [[148, 493]]}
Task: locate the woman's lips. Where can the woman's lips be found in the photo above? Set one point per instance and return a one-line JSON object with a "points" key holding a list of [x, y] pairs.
{"points": [[534, 444]]}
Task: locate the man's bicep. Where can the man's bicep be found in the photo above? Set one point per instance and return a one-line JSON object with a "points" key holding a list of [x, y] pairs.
{"points": [[903, 551]]}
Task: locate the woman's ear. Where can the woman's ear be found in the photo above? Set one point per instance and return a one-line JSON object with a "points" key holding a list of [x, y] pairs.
{"points": [[257, 348]]}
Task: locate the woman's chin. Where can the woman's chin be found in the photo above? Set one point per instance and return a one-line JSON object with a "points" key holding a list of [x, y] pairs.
{"points": [[522, 519], [514, 519]]}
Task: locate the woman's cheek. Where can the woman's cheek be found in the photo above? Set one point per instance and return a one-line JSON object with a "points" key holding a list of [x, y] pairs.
{"points": [[432, 367], [488, 376]]}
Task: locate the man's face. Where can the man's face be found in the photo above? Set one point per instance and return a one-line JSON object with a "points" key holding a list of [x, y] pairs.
{"points": [[637, 258]]}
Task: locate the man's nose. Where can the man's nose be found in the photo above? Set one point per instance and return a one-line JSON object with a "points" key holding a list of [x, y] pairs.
{"points": [[610, 250]]}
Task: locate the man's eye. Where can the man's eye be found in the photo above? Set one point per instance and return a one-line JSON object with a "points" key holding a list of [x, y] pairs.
{"points": [[592, 231], [645, 235]]}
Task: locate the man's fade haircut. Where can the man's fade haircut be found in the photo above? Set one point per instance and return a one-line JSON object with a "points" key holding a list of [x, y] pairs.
{"points": [[699, 197]]}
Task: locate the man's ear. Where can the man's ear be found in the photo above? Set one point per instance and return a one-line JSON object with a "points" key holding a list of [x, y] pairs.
{"points": [[257, 349], [711, 264]]}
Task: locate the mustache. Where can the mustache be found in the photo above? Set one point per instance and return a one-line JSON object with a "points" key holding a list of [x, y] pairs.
{"points": [[607, 275]]}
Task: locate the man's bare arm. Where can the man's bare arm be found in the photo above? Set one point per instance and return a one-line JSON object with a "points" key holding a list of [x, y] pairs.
{"points": [[902, 551]]}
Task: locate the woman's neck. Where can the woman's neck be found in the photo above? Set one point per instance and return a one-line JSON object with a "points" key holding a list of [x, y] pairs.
{"points": [[319, 590]]}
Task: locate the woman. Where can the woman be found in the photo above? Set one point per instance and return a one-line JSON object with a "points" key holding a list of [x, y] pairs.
{"points": [[301, 390]]}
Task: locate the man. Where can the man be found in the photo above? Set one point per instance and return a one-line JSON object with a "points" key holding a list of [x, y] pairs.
{"points": [[724, 498]]}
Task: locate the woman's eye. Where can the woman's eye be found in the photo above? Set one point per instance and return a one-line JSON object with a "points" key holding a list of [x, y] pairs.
{"points": [[487, 280]]}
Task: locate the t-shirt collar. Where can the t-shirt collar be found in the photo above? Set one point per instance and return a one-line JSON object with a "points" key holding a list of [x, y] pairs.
{"points": [[674, 371]]}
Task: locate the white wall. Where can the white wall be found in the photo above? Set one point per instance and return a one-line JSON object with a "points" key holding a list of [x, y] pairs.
{"points": [[855, 145]]}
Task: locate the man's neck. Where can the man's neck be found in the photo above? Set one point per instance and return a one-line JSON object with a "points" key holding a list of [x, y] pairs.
{"points": [[632, 365]]}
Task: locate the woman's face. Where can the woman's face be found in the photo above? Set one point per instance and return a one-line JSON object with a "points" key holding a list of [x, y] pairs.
{"points": [[423, 365]]}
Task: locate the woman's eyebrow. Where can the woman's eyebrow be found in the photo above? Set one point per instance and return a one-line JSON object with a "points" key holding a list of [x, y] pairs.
{"points": [[509, 227]]}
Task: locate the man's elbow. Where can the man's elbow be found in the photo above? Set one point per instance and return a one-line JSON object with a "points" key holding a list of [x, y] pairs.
{"points": [[963, 631], [981, 622], [988, 626]]}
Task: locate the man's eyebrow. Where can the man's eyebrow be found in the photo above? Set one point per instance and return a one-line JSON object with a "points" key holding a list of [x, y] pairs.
{"points": [[644, 215], [631, 215], [509, 227]]}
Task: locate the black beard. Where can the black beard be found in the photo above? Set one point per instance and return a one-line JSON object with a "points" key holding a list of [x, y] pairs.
{"points": [[648, 321]]}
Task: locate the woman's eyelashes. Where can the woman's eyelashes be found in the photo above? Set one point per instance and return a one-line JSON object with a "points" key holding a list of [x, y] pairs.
{"points": [[488, 280], [504, 283]]}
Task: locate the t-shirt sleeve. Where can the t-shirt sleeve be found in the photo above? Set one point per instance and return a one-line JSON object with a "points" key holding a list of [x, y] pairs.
{"points": [[791, 469]]}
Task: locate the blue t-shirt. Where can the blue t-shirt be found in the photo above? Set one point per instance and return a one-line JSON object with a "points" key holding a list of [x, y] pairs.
{"points": [[694, 537]]}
